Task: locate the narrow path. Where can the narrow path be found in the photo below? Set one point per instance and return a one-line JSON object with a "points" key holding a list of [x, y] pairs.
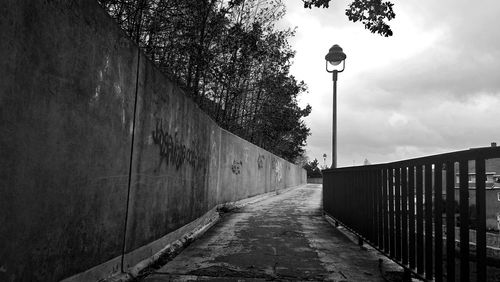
{"points": [[280, 238]]}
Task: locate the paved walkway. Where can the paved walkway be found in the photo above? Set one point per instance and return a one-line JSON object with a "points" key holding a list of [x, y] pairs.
{"points": [[281, 238]]}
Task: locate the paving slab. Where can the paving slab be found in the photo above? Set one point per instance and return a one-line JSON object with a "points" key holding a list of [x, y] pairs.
{"points": [[282, 238]]}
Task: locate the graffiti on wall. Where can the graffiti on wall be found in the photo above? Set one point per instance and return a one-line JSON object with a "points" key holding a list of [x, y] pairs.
{"points": [[278, 169], [173, 152], [260, 161], [213, 149], [246, 152], [236, 167]]}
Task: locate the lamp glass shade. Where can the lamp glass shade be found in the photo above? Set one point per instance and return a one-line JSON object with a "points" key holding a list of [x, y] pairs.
{"points": [[335, 55], [335, 63]]}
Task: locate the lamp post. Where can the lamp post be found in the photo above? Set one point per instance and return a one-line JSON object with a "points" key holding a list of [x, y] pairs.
{"points": [[334, 57]]}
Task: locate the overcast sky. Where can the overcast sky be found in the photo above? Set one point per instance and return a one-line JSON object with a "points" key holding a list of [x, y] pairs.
{"points": [[433, 87]]}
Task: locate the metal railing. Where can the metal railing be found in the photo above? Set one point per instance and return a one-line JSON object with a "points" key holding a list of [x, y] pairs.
{"points": [[398, 209]]}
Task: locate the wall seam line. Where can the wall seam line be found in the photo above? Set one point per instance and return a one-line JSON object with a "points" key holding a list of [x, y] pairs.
{"points": [[129, 186]]}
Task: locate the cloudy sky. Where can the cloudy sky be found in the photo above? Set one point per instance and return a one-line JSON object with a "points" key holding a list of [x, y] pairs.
{"points": [[433, 87]]}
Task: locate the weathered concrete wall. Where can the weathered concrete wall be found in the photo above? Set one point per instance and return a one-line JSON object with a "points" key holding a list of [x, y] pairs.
{"points": [[67, 81], [67, 90]]}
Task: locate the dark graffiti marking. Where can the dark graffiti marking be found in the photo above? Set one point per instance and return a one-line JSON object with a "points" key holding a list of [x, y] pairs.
{"points": [[173, 152], [260, 161], [236, 167]]}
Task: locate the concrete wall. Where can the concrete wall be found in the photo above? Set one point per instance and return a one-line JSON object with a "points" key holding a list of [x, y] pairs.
{"points": [[67, 92]]}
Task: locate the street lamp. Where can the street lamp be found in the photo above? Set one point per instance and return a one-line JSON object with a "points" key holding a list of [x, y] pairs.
{"points": [[334, 57]]}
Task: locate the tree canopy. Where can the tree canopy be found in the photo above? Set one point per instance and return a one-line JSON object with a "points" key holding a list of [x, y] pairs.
{"points": [[230, 57], [312, 168], [373, 14]]}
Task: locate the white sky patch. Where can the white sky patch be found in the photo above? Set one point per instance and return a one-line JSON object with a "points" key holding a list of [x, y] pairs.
{"points": [[433, 87], [398, 120]]}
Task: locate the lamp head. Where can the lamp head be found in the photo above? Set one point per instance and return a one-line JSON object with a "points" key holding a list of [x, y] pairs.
{"points": [[335, 55]]}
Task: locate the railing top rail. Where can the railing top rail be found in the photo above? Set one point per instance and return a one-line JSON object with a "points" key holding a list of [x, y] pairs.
{"points": [[471, 154]]}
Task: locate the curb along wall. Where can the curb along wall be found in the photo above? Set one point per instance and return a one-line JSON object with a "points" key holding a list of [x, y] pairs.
{"points": [[67, 92]]}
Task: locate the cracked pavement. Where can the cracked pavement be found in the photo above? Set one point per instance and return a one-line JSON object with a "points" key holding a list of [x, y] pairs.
{"points": [[281, 238]]}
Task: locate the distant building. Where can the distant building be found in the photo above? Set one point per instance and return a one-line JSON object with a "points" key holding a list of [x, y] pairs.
{"points": [[492, 189], [492, 180]]}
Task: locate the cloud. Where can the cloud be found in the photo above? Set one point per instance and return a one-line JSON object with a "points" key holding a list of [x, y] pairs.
{"points": [[433, 87]]}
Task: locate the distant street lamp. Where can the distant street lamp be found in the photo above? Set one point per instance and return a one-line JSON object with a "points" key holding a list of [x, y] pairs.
{"points": [[334, 57]]}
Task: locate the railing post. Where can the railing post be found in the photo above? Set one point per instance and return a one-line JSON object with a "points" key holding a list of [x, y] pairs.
{"points": [[397, 209], [481, 220], [392, 241], [385, 208], [420, 221], [450, 222], [411, 216], [404, 214], [380, 200], [464, 221], [428, 222], [438, 222]]}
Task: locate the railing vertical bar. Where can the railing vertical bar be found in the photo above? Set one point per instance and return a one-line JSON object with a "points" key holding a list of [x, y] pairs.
{"points": [[373, 189], [337, 192], [368, 205], [428, 222], [397, 203], [481, 219], [404, 214], [380, 200], [339, 183], [328, 182], [324, 199], [411, 216], [450, 222], [392, 240], [420, 221], [343, 195], [354, 203], [464, 221], [353, 212], [438, 222], [373, 211], [357, 197], [346, 195], [385, 207], [376, 193], [361, 203]]}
